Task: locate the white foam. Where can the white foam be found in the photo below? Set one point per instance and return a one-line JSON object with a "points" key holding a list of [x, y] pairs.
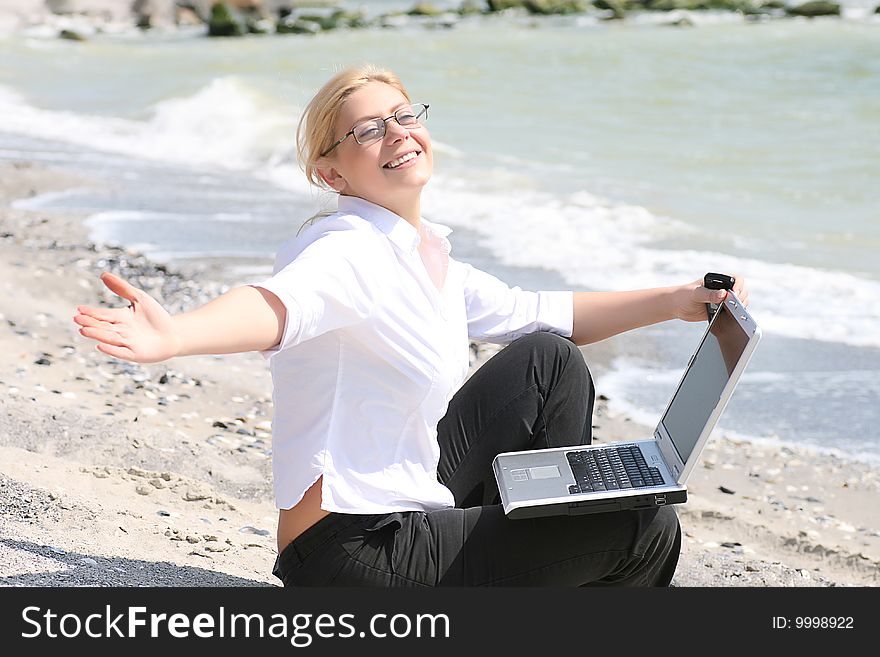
{"points": [[773, 440], [225, 123], [40, 201], [598, 244], [594, 243], [114, 216]]}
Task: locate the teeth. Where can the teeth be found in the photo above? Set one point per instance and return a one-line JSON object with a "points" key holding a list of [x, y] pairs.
{"points": [[405, 158]]}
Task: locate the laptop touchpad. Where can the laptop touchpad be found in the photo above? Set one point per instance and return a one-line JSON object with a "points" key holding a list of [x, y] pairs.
{"points": [[544, 472]]}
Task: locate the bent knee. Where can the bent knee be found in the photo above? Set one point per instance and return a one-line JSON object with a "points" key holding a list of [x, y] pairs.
{"points": [[551, 344]]}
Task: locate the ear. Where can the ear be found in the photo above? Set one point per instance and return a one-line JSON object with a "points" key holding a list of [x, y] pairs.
{"points": [[332, 177]]}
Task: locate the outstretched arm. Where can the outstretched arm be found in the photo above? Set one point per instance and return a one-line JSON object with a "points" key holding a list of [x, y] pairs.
{"points": [[600, 315], [244, 319]]}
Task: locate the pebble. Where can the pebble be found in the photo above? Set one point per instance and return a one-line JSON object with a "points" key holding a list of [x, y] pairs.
{"points": [[195, 493], [87, 561], [247, 529], [725, 489]]}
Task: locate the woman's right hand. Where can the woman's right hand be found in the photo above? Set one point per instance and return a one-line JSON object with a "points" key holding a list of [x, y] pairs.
{"points": [[143, 332]]}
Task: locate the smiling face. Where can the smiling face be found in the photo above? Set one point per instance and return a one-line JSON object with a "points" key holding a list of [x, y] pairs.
{"points": [[390, 172]]}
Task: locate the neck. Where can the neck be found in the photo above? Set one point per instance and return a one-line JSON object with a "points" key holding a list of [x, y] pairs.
{"points": [[409, 208], [409, 211]]}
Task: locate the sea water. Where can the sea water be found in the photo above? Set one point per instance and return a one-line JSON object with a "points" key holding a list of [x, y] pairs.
{"points": [[569, 154]]}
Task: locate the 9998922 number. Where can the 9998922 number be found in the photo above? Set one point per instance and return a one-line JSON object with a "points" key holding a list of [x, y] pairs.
{"points": [[823, 622]]}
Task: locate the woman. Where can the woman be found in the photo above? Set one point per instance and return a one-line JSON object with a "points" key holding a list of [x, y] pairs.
{"points": [[382, 465]]}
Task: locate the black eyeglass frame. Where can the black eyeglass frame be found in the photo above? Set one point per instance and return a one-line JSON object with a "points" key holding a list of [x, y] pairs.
{"points": [[350, 133]]}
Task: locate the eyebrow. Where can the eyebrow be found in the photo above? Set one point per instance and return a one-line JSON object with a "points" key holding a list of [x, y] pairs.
{"points": [[373, 116]]}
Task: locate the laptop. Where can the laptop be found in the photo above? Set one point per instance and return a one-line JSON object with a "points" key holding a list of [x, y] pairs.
{"points": [[645, 473]]}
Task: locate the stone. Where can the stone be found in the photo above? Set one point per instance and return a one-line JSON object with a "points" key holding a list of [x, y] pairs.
{"points": [[187, 17], [154, 13], [470, 8], [501, 5], [556, 7], [224, 23], [71, 35], [814, 8], [291, 25], [617, 13], [196, 493], [216, 548], [424, 9], [247, 529]]}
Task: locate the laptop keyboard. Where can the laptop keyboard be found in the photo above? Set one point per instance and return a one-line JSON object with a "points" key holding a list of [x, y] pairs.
{"points": [[614, 468]]}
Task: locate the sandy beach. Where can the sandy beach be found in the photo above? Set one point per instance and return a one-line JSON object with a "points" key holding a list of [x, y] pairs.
{"points": [[116, 474]]}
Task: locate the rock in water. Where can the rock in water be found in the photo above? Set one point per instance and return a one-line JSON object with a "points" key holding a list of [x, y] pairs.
{"points": [[815, 8], [223, 23]]}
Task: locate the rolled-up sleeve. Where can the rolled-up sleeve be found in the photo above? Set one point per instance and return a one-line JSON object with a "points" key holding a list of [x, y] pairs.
{"points": [[499, 313], [326, 287]]}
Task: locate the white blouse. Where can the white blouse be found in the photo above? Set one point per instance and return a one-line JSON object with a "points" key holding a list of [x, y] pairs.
{"points": [[375, 346]]}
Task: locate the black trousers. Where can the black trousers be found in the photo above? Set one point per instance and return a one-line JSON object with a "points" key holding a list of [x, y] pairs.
{"points": [[535, 393]]}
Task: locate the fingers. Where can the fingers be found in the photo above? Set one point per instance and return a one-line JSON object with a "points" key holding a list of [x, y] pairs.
{"points": [[705, 295], [99, 317], [740, 289], [103, 336], [117, 352], [120, 286]]}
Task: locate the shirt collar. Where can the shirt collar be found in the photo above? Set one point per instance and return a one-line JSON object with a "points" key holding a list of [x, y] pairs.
{"points": [[402, 233]]}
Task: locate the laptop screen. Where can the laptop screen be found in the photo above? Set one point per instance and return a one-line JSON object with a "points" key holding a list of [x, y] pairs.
{"points": [[704, 381]]}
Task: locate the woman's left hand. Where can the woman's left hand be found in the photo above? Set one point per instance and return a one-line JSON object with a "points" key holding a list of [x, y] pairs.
{"points": [[691, 299]]}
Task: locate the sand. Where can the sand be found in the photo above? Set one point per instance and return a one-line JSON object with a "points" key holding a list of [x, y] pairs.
{"points": [[116, 474]]}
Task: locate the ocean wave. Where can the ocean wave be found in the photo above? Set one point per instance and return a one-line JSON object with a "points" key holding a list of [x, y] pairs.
{"points": [[640, 390], [599, 244], [592, 242], [225, 124]]}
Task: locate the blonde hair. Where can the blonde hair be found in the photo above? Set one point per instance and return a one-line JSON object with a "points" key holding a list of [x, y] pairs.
{"points": [[316, 130]]}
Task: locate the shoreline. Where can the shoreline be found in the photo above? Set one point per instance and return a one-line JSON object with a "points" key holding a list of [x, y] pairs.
{"points": [[87, 19], [120, 474]]}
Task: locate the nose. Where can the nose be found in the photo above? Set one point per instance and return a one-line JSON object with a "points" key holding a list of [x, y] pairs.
{"points": [[395, 131]]}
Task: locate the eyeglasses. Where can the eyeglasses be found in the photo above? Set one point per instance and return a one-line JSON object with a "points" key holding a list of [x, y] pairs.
{"points": [[408, 116]]}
